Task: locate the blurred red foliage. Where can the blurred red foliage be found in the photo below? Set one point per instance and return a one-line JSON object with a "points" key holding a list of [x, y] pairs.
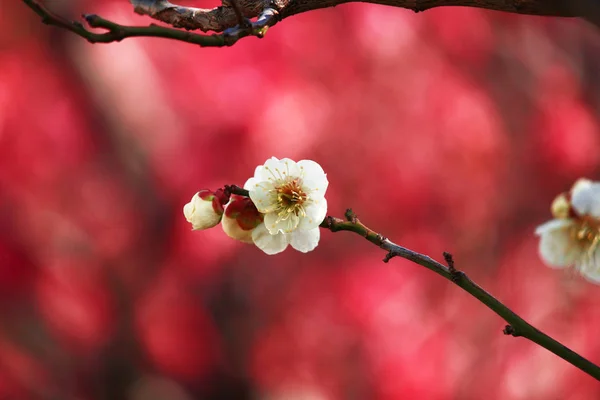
{"points": [[175, 331], [447, 130]]}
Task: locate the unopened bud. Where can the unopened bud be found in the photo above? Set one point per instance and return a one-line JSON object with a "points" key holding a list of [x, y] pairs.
{"points": [[205, 209], [241, 217]]}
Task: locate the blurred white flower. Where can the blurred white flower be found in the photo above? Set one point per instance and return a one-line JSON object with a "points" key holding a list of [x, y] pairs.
{"points": [[573, 237], [290, 194], [205, 209]]}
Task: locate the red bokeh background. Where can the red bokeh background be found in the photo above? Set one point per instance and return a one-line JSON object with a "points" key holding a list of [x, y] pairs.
{"points": [[448, 130]]}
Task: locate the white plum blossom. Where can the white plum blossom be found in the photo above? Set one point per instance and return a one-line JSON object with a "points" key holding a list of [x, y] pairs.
{"points": [[573, 237], [205, 209], [290, 194], [292, 198]]}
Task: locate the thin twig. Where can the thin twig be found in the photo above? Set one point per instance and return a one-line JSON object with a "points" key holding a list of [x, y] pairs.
{"points": [[517, 325], [116, 32]]}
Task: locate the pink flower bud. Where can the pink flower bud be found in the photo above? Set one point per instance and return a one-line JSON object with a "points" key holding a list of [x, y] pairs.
{"points": [[241, 217]]}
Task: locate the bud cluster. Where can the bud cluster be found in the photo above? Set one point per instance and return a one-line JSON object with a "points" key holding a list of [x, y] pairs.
{"points": [[286, 205]]}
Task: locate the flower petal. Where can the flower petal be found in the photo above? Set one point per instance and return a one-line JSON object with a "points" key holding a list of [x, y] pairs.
{"points": [[315, 214], [258, 172], [188, 211], [557, 248], [262, 172], [590, 268], [305, 241], [289, 168], [234, 230], [581, 184], [276, 170], [275, 225], [250, 182], [263, 196], [313, 176], [315, 191], [270, 244], [553, 225], [585, 198]]}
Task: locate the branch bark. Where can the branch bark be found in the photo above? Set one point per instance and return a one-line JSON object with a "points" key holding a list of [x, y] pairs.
{"points": [[557, 8], [516, 327], [116, 32], [226, 18]]}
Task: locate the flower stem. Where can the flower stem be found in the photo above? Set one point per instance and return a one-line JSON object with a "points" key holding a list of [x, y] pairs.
{"points": [[234, 189], [517, 325]]}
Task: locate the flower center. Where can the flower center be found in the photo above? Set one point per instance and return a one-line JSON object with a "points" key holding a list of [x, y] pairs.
{"points": [[290, 198], [587, 233]]}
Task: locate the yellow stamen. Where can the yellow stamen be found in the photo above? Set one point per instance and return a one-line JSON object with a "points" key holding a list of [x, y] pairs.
{"points": [[587, 233], [560, 206], [290, 200]]}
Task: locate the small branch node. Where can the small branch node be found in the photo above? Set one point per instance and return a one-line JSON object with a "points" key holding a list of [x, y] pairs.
{"points": [[510, 330], [450, 261], [91, 19], [455, 274], [351, 216], [329, 222], [261, 32], [391, 254]]}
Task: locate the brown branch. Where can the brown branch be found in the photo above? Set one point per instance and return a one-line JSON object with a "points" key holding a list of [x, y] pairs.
{"points": [[116, 32], [556, 8], [231, 17], [224, 17], [216, 19]]}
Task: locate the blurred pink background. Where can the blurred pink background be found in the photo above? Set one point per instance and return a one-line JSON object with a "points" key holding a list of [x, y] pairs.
{"points": [[448, 130]]}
